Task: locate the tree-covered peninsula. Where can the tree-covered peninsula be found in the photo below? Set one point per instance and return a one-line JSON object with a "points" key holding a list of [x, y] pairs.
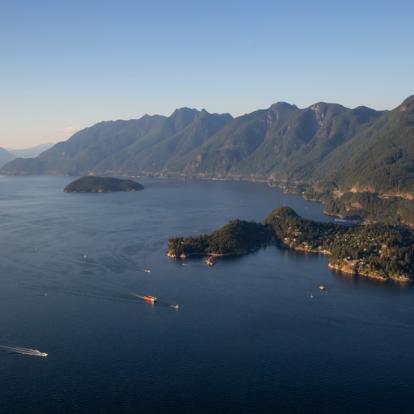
{"points": [[375, 251], [235, 238], [93, 184]]}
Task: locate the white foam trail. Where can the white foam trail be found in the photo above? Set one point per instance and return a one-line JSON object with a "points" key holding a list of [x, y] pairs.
{"points": [[23, 351]]}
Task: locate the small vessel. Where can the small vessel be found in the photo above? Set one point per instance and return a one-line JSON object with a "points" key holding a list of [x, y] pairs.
{"points": [[43, 354], [323, 288], [150, 299], [210, 261], [147, 270], [176, 306]]}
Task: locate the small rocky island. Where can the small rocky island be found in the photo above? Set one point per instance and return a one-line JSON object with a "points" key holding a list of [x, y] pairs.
{"points": [[375, 251], [93, 184]]}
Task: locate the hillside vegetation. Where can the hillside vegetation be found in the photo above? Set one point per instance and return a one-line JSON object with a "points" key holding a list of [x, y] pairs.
{"points": [[326, 151], [93, 184], [374, 251]]}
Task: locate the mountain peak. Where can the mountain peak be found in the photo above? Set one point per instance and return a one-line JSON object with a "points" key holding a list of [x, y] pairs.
{"points": [[182, 117], [323, 106], [318, 106], [5, 156], [184, 111], [283, 106], [280, 110], [407, 104], [409, 100]]}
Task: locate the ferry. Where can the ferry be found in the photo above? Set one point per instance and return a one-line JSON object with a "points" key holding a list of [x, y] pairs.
{"points": [[150, 299], [210, 261]]}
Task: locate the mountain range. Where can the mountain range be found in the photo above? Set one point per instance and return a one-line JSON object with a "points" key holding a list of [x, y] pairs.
{"points": [[9, 154], [5, 156], [326, 151], [30, 152]]}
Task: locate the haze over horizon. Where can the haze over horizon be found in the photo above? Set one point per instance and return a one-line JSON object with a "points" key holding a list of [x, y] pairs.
{"points": [[66, 67]]}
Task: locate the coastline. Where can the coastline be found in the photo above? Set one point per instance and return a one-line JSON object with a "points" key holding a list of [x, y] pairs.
{"points": [[377, 252], [308, 191]]}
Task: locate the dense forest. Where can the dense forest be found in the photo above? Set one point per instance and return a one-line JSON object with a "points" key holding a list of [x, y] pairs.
{"points": [[377, 251], [235, 238], [92, 184]]}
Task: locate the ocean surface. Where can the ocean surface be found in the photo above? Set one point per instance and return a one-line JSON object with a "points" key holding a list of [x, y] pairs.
{"points": [[253, 334]]}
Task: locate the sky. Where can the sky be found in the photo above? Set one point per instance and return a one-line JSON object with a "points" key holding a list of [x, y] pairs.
{"points": [[65, 65]]}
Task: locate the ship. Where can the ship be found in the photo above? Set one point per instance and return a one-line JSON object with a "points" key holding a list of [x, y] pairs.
{"points": [[210, 261], [150, 299]]}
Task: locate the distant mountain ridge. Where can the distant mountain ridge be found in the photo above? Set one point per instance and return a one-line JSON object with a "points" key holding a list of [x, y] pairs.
{"points": [[125, 147], [5, 156], [30, 152], [281, 141], [8, 154], [323, 149]]}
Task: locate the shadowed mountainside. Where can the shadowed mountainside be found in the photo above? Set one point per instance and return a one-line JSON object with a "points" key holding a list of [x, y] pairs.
{"points": [[326, 151], [5, 156]]}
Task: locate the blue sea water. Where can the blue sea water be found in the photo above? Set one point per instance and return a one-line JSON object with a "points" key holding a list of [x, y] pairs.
{"points": [[253, 334]]}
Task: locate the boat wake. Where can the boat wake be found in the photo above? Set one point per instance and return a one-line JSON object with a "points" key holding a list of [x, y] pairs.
{"points": [[154, 300], [23, 351]]}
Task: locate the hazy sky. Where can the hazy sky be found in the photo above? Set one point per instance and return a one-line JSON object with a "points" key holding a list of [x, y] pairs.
{"points": [[65, 65]]}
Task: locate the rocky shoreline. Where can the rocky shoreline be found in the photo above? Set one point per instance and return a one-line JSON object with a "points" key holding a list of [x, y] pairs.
{"points": [[376, 252], [354, 268]]}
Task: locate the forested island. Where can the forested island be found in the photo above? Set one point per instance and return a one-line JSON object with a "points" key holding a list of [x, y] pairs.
{"points": [[93, 184], [375, 251]]}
